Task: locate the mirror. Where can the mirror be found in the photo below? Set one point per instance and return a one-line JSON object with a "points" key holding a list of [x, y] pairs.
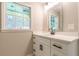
{"points": [[57, 13], [70, 16], [67, 16]]}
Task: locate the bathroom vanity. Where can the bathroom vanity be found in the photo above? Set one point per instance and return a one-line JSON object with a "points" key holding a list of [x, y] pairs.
{"points": [[45, 44]]}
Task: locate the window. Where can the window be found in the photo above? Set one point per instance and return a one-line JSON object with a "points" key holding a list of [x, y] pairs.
{"points": [[53, 23], [18, 16]]}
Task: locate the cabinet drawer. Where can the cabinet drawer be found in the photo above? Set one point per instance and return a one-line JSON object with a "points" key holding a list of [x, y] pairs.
{"points": [[35, 40], [44, 40], [55, 52], [59, 46]]}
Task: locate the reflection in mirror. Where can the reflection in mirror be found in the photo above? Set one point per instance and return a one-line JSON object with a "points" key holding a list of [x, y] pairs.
{"points": [[70, 16], [55, 14], [66, 14]]}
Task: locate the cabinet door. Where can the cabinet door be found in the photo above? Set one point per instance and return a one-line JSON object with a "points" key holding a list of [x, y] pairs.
{"points": [[52, 51], [44, 50], [40, 49], [57, 53], [59, 45]]}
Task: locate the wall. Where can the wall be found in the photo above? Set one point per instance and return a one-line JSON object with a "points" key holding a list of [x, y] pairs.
{"points": [[37, 16], [70, 17], [17, 43], [78, 16], [45, 22]]}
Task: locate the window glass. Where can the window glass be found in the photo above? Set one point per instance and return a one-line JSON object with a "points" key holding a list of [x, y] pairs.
{"points": [[18, 8], [18, 16], [10, 23], [11, 6], [19, 22]]}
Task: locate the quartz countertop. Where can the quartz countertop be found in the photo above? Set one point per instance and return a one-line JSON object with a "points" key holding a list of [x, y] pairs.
{"points": [[57, 36]]}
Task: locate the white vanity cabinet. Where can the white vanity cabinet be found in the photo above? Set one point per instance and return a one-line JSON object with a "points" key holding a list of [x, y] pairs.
{"points": [[55, 45], [41, 46], [64, 48]]}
